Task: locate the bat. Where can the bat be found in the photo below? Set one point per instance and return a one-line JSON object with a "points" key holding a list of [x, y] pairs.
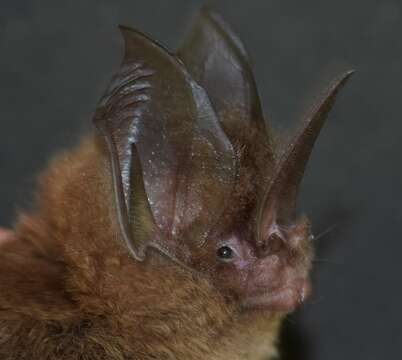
{"points": [[171, 231]]}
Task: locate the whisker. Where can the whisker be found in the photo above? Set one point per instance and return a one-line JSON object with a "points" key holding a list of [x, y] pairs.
{"points": [[326, 261], [314, 301], [325, 232], [290, 320]]}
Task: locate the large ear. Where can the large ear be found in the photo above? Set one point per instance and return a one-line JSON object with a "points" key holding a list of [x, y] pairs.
{"points": [[172, 163], [218, 61], [279, 201]]}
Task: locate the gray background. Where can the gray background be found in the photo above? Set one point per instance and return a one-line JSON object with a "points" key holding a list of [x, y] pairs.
{"points": [[56, 57]]}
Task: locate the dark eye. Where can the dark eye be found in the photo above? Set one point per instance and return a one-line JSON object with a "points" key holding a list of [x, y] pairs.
{"points": [[225, 253]]}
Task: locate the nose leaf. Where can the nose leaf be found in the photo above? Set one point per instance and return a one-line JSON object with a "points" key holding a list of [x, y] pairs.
{"points": [[272, 245]]}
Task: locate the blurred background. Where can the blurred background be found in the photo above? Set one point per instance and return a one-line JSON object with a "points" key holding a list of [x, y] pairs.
{"points": [[56, 58]]}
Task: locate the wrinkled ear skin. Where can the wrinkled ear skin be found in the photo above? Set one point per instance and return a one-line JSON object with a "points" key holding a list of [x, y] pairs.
{"points": [[279, 202], [218, 61], [182, 158], [186, 135]]}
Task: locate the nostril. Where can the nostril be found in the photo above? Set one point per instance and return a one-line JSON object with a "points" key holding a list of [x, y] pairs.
{"points": [[272, 245], [275, 243], [264, 246]]}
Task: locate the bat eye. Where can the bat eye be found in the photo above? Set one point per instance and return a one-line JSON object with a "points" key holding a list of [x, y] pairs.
{"points": [[225, 253]]}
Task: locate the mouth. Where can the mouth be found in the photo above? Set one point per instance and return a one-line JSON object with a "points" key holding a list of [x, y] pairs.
{"points": [[284, 299]]}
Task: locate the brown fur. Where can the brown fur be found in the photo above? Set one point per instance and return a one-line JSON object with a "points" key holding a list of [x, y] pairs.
{"points": [[70, 290]]}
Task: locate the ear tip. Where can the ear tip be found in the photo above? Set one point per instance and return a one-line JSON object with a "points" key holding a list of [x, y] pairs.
{"points": [[214, 19], [208, 10], [125, 29], [127, 32], [349, 73], [345, 76], [134, 38], [209, 13], [218, 19], [340, 81]]}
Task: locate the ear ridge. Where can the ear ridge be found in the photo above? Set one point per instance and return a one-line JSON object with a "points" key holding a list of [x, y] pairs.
{"points": [[283, 188], [142, 223]]}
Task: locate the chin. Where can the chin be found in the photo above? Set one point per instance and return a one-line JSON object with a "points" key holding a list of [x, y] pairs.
{"points": [[283, 299]]}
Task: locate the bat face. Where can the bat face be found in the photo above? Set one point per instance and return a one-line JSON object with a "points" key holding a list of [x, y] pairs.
{"points": [[195, 172], [272, 275]]}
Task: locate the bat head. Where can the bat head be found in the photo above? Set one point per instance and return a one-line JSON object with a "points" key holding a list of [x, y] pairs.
{"points": [[196, 176]]}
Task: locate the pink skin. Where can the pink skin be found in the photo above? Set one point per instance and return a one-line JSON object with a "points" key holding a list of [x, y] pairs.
{"points": [[276, 279], [5, 236]]}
